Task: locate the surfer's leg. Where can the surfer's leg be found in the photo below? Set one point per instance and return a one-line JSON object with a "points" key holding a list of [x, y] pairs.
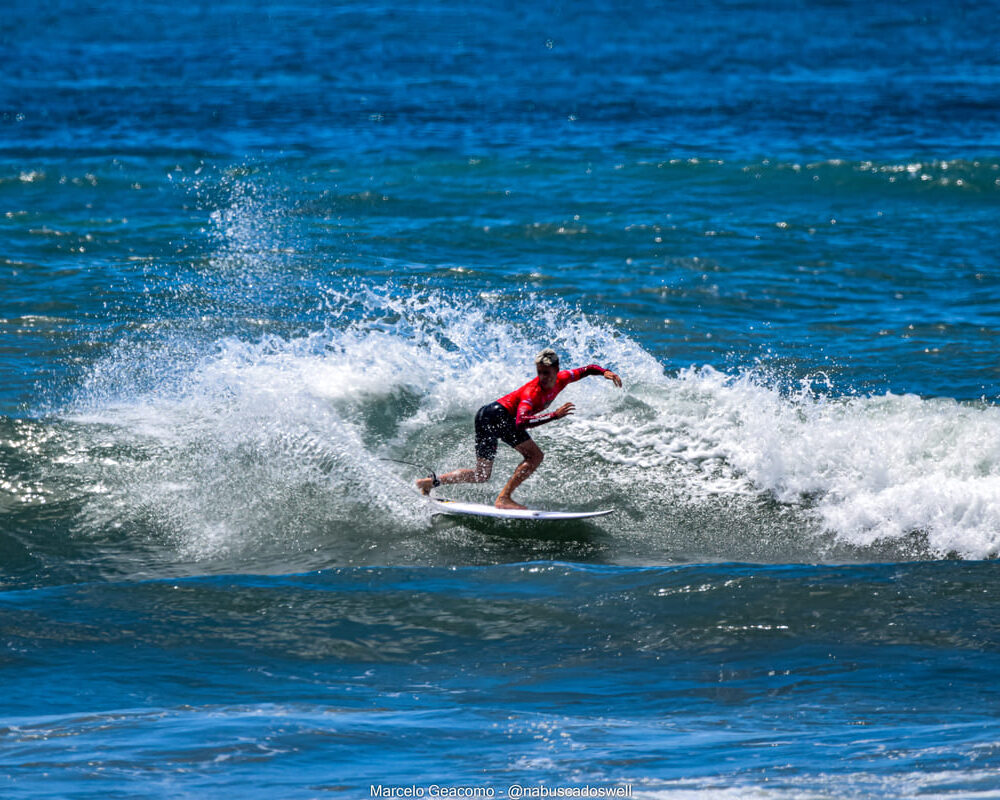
{"points": [[486, 451], [532, 458], [480, 474]]}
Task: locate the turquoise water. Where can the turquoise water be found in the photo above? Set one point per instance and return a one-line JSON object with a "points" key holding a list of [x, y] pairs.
{"points": [[251, 253]]}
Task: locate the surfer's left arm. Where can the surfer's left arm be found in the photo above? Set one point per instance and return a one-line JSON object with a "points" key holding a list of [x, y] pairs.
{"points": [[594, 369]]}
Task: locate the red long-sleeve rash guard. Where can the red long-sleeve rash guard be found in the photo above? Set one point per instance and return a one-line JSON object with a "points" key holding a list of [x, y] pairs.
{"points": [[525, 403]]}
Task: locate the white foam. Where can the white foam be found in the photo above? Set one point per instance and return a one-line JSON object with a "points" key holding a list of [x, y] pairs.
{"points": [[274, 434], [869, 468]]}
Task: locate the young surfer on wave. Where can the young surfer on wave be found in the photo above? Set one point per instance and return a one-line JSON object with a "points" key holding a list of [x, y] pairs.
{"points": [[508, 419]]}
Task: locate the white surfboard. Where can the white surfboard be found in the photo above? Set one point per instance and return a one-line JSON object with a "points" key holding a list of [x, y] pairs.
{"points": [[457, 508]]}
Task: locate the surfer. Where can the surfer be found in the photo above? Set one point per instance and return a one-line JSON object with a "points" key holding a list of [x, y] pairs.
{"points": [[509, 418]]}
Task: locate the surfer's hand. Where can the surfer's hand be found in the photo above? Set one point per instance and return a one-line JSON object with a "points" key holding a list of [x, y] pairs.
{"points": [[563, 411], [612, 377]]}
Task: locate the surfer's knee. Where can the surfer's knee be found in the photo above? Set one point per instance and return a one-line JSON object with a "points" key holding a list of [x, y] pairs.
{"points": [[535, 457]]}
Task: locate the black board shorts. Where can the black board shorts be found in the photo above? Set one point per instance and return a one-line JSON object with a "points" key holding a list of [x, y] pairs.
{"points": [[494, 422]]}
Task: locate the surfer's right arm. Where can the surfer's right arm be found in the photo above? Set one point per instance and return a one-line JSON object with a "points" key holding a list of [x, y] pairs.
{"points": [[525, 420]]}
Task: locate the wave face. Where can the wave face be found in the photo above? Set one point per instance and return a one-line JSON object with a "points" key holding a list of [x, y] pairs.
{"points": [[276, 450]]}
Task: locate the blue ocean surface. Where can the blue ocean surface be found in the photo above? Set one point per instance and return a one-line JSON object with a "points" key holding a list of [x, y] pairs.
{"points": [[253, 255]]}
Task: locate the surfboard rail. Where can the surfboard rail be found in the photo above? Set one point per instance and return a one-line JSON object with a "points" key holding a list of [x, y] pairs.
{"points": [[442, 505]]}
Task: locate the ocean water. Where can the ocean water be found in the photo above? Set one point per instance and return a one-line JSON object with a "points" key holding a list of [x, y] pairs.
{"points": [[249, 252]]}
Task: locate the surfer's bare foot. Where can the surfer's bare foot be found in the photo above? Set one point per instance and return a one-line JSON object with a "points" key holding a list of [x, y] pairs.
{"points": [[425, 485], [506, 502]]}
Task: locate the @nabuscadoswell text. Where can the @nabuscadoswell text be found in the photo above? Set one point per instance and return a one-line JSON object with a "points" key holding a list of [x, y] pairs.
{"points": [[512, 791]]}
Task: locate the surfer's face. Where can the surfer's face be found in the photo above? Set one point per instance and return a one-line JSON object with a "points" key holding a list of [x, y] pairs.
{"points": [[547, 376]]}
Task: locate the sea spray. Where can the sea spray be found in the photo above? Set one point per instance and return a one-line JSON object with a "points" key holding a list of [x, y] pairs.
{"points": [[279, 442]]}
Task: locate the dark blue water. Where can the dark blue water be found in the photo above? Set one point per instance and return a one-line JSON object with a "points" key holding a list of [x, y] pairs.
{"points": [[249, 253]]}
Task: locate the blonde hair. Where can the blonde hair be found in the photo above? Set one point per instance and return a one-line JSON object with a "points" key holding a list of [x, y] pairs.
{"points": [[548, 357]]}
